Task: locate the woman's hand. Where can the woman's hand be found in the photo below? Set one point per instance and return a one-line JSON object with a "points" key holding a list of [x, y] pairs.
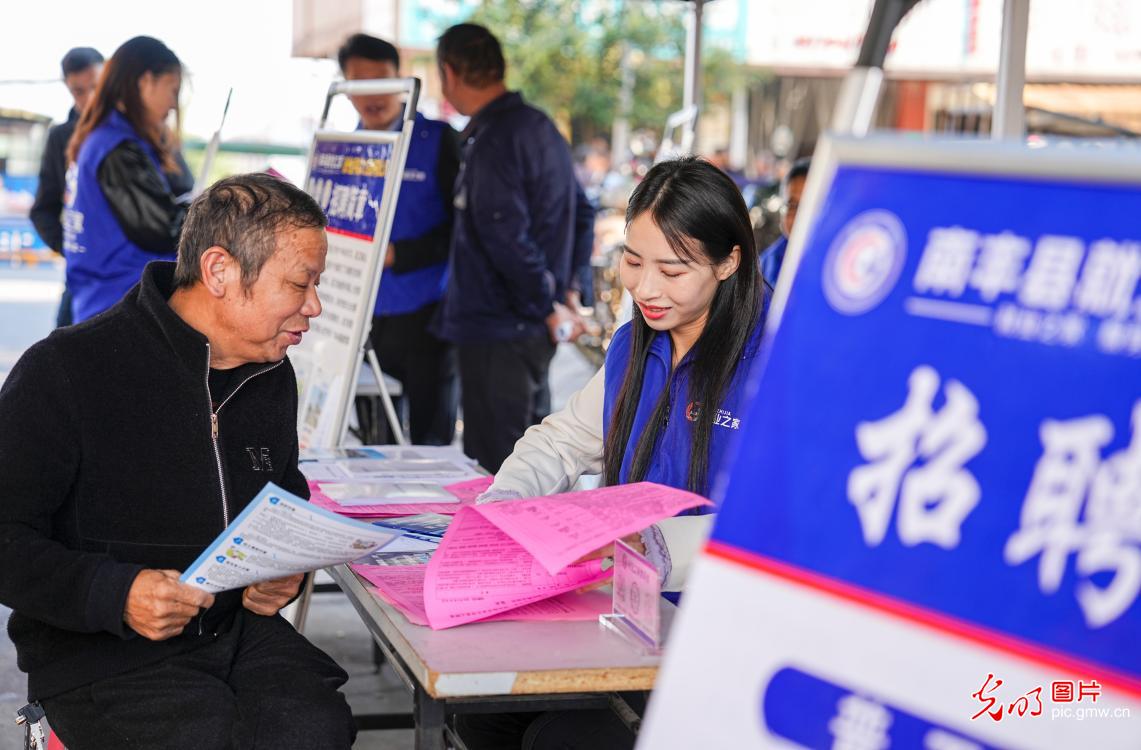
{"points": [[632, 540]]}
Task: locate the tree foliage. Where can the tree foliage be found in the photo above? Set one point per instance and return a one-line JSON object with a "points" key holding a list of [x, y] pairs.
{"points": [[565, 56]]}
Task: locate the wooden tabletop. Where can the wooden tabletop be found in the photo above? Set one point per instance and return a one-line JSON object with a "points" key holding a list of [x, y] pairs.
{"points": [[507, 658]]}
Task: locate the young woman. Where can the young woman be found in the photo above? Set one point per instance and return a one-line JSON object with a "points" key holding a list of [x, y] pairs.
{"points": [[665, 404], [669, 398], [122, 212]]}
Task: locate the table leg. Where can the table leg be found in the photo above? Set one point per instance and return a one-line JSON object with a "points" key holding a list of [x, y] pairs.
{"points": [[429, 715]]}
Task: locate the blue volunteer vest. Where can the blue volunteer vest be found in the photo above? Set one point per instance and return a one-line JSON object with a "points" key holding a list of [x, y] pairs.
{"points": [[419, 209], [669, 464], [102, 264]]}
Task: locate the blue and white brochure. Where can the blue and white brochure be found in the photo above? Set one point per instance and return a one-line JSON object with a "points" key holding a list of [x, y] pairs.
{"points": [[278, 535]]}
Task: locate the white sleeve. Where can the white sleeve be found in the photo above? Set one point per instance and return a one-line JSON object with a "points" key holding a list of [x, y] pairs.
{"points": [[552, 455], [684, 537]]}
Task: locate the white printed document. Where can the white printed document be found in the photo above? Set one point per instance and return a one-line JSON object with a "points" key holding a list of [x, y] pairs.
{"points": [[278, 535]]}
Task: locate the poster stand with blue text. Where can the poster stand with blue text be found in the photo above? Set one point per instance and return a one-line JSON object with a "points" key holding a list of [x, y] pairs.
{"points": [[930, 532], [356, 178]]}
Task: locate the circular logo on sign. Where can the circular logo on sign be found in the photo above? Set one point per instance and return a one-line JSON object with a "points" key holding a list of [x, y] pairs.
{"points": [[864, 262]]}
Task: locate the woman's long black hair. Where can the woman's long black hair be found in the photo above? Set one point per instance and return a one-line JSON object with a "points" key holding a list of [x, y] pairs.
{"points": [[118, 87], [703, 217]]}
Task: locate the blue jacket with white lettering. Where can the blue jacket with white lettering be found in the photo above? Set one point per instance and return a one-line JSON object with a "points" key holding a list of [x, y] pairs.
{"points": [[512, 244], [120, 216], [669, 464], [422, 223]]}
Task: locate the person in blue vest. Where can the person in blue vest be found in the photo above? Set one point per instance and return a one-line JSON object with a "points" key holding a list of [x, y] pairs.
{"points": [[791, 188], [666, 405], [416, 263], [121, 211]]}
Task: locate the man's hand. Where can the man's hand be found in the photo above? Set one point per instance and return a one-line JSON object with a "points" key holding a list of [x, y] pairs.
{"points": [[267, 597], [159, 605], [565, 324], [390, 256]]}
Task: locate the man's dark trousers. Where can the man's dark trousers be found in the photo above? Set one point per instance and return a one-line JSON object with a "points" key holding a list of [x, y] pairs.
{"points": [[232, 693], [426, 368], [502, 385]]}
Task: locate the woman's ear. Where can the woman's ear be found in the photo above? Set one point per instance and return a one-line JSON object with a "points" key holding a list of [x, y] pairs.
{"points": [[728, 267]]}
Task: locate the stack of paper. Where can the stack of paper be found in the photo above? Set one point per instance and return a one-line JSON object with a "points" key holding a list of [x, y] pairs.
{"points": [[388, 499], [436, 464], [499, 557], [403, 588]]}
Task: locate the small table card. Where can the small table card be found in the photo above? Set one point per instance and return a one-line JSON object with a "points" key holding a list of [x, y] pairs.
{"points": [[637, 599]]}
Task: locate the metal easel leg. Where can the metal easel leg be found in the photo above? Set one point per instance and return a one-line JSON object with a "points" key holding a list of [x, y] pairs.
{"points": [[389, 409]]}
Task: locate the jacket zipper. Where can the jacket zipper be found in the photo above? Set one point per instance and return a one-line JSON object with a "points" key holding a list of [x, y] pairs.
{"points": [[214, 441]]}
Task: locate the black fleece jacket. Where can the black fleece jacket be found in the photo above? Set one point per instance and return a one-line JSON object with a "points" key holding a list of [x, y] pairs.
{"points": [[108, 466]]}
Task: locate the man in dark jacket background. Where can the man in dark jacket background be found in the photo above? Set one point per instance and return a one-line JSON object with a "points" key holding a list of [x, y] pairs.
{"points": [[129, 442], [81, 67], [512, 246]]}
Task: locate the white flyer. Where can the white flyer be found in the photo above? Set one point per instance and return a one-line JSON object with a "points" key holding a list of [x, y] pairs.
{"points": [[278, 535]]}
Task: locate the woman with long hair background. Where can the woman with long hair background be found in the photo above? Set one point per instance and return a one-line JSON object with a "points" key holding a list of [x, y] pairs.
{"points": [[122, 211]]}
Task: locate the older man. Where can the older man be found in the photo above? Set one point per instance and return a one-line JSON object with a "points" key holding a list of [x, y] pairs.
{"points": [[128, 443]]}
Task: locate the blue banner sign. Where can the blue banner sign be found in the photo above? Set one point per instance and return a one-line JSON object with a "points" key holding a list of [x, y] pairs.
{"points": [[947, 425], [347, 180]]}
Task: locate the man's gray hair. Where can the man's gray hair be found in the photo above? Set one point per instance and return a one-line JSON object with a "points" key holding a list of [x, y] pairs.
{"points": [[242, 214]]}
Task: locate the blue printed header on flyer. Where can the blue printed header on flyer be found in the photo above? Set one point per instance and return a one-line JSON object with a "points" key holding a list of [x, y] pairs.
{"points": [[347, 180], [958, 420]]}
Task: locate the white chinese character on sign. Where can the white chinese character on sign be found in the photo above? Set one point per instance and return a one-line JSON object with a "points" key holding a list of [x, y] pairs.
{"points": [[1079, 504], [860, 724], [947, 261], [934, 497], [341, 199], [1052, 272], [1109, 278], [361, 202], [1000, 262], [326, 194]]}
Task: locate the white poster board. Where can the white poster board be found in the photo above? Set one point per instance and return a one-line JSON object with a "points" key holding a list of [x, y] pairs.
{"points": [[355, 177]]}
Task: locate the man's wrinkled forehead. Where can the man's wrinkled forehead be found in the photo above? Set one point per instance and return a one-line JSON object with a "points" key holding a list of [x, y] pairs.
{"points": [[302, 249]]}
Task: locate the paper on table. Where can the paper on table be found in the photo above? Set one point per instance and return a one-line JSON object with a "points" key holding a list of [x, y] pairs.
{"points": [[351, 494], [389, 469], [320, 499], [403, 588], [330, 454], [324, 471], [411, 542], [279, 534], [559, 530], [468, 490], [395, 558], [431, 524], [465, 493], [417, 452], [479, 571]]}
